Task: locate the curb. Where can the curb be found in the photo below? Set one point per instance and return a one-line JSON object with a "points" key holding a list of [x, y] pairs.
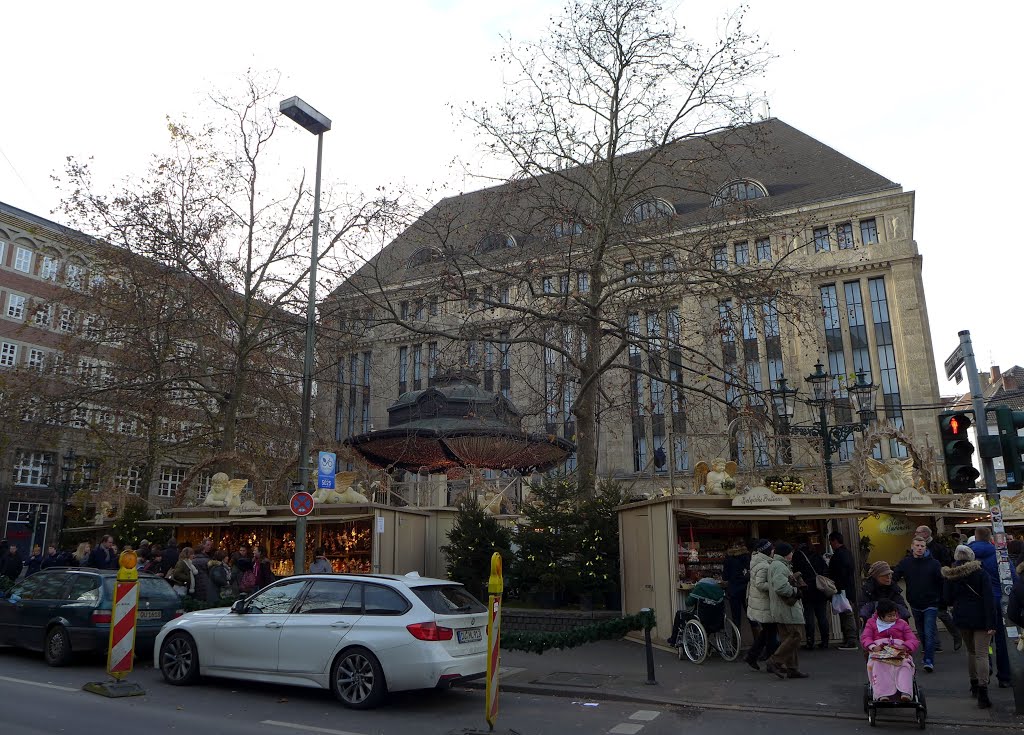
{"points": [[601, 695]]}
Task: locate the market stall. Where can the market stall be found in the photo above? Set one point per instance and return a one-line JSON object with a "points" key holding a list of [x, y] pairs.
{"points": [[889, 528], [367, 537], [668, 543]]}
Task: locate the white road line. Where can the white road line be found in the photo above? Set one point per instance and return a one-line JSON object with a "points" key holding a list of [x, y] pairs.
{"points": [[626, 728], [39, 684], [307, 728], [644, 715]]}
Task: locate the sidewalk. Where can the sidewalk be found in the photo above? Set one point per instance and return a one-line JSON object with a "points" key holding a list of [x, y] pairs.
{"points": [[616, 670]]}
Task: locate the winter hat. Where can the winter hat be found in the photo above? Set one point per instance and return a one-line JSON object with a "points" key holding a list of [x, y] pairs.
{"points": [[963, 553], [763, 546], [879, 569], [783, 549], [924, 532]]}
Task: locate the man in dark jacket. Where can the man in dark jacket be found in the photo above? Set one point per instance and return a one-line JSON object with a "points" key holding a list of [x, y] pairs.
{"points": [[842, 572], [170, 557], [985, 552], [924, 593], [11, 564], [102, 557], [736, 573], [940, 551], [52, 558], [809, 564], [1015, 610]]}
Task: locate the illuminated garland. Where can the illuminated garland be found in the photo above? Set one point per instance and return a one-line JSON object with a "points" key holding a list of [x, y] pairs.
{"points": [[607, 630]]}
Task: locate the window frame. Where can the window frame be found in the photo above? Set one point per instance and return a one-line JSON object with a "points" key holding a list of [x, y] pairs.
{"points": [[26, 262], [16, 306]]}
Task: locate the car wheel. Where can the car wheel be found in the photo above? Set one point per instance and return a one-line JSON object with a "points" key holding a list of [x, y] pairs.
{"points": [[57, 646], [357, 679], [179, 659]]}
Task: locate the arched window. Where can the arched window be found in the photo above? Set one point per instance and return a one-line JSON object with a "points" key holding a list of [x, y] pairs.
{"points": [[495, 241], [424, 256], [738, 191], [649, 209], [567, 228]]}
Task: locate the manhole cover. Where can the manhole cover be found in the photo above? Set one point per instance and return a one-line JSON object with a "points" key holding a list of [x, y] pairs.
{"points": [[570, 678]]}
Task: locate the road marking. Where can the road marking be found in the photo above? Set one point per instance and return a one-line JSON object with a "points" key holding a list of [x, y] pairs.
{"points": [[644, 715], [308, 728], [39, 684], [626, 728]]}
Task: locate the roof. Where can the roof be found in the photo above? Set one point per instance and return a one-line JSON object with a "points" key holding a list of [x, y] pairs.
{"points": [[795, 168], [1007, 389]]}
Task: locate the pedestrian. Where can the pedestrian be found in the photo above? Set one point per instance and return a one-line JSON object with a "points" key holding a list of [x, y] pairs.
{"points": [[11, 563], [924, 593], [261, 564], [758, 605], [842, 572], [974, 612], [35, 560], [890, 644], [52, 558], [1015, 549], [736, 573], [787, 611], [155, 564], [82, 554], [321, 565], [879, 586], [102, 557], [809, 563], [170, 555], [201, 560], [1015, 606], [220, 576], [244, 571], [985, 553], [940, 551], [183, 576]]}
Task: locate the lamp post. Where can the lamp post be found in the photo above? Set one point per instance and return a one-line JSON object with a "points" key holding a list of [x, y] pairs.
{"points": [[67, 468], [317, 124], [863, 395]]}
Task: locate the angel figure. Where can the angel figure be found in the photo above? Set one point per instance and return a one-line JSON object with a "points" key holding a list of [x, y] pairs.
{"points": [[893, 475], [716, 478], [225, 492]]}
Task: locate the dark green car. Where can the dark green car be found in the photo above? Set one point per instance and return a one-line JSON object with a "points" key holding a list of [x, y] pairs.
{"points": [[65, 610]]}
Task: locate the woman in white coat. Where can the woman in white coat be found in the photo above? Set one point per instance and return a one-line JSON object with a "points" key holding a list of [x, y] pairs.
{"points": [[758, 604]]}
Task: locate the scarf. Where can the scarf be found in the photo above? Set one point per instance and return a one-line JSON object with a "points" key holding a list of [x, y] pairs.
{"points": [[884, 626], [192, 571]]}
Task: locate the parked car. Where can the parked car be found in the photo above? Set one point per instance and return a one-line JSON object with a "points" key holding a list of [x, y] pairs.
{"points": [[64, 610], [358, 635]]}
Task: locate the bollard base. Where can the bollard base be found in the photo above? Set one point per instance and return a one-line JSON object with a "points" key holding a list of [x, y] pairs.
{"points": [[114, 689]]}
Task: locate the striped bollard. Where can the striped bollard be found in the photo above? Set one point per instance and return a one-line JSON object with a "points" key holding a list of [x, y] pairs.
{"points": [[121, 644], [495, 587]]}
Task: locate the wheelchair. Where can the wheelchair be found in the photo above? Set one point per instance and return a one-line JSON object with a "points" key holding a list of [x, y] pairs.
{"points": [[701, 624]]}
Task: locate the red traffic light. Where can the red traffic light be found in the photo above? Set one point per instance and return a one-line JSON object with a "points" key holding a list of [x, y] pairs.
{"points": [[954, 426]]}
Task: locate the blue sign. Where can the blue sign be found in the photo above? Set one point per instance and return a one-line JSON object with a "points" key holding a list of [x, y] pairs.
{"points": [[325, 470]]}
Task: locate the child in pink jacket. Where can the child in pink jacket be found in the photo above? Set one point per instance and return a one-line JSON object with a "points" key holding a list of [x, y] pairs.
{"points": [[890, 644]]}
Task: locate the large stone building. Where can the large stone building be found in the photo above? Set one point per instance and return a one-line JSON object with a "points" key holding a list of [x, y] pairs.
{"points": [[713, 267], [115, 375]]}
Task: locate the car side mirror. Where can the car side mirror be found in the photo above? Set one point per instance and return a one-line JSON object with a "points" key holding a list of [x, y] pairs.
{"points": [[238, 606]]}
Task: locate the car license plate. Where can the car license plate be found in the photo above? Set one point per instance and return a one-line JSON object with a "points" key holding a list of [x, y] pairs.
{"points": [[469, 635], [150, 614]]}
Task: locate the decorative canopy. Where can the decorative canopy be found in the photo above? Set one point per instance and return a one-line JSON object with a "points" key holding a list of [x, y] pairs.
{"points": [[457, 424]]}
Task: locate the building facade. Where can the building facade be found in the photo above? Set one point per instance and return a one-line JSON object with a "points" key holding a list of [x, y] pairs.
{"points": [[719, 266]]}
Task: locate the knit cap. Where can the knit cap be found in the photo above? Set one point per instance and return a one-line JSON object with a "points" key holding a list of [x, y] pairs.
{"points": [[963, 553], [879, 569], [763, 546], [783, 549]]}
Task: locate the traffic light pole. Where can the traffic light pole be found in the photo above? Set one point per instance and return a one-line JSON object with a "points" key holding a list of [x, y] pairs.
{"points": [[995, 508]]}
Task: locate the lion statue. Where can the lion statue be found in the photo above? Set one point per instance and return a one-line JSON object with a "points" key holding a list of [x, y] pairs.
{"points": [[893, 475], [225, 492], [716, 478]]}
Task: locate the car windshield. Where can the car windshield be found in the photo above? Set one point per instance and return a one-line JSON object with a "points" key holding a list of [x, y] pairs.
{"points": [[150, 588], [449, 599]]}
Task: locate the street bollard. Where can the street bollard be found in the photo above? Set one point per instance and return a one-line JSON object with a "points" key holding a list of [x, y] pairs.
{"points": [[121, 646], [648, 647]]}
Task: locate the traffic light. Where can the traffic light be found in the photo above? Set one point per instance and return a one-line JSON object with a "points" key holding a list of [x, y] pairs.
{"points": [[957, 450], [1012, 445]]}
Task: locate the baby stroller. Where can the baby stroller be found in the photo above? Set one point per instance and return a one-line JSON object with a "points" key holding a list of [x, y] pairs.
{"points": [[702, 623], [917, 703]]}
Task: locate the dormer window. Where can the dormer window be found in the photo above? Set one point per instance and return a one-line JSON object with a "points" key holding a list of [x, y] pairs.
{"points": [[495, 241], [567, 228], [738, 191], [424, 256], [649, 209]]}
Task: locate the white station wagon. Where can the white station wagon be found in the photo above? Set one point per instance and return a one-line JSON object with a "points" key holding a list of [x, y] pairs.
{"points": [[359, 635]]}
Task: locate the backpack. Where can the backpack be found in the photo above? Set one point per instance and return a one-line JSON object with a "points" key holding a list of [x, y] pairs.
{"points": [[219, 576], [248, 581]]}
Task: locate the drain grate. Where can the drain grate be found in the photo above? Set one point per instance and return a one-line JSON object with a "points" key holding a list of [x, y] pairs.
{"points": [[573, 679]]}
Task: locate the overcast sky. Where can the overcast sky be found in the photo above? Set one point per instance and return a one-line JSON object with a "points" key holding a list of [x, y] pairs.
{"points": [[921, 92]]}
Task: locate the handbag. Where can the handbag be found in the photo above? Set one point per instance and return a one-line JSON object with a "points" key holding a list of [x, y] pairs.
{"points": [[823, 584], [840, 603]]}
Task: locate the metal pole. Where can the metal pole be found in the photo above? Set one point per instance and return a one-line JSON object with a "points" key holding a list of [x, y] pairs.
{"points": [[307, 367], [995, 510], [826, 447], [648, 647]]}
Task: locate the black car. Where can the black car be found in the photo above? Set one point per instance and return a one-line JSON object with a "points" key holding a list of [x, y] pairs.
{"points": [[65, 610]]}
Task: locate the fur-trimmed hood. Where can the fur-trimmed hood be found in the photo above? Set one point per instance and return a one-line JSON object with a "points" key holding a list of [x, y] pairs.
{"points": [[954, 574]]}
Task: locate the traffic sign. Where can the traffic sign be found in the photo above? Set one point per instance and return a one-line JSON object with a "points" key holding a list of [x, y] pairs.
{"points": [[301, 503]]}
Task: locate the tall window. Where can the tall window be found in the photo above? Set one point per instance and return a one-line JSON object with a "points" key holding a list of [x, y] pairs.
{"points": [[630, 270], [48, 268], [129, 479], [67, 320], [170, 481], [837, 363], [751, 355], [23, 260], [505, 379], [844, 236], [16, 306], [31, 468], [367, 358], [43, 316], [741, 253], [551, 397], [489, 365], [73, 275], [417, 367], [886, 361], [822, 239], [431, 362], [719, 258], [764, 250], [868, 231], [583, 282], [21, 513], [36, 359], [339, 402], [858, 328], [8, 354], [728, 332], [403, 369], [772, 342]]}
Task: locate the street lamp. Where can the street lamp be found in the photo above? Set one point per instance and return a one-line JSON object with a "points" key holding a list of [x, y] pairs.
{"points": [[318, 124], [862, 394], [68, 467]]}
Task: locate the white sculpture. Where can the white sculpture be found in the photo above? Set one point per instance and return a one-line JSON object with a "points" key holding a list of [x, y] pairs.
{"points": [[225, 492], [716, 478], [104, 513], [348, 496], [894, 475]]}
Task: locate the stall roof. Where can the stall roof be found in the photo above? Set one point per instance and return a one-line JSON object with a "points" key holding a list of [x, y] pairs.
{"points": [[1015, 521], [251, 520], [781, 512], [921, 510]]}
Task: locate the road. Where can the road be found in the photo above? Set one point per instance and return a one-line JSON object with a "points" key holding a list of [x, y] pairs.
{"points": [[40, 700]]}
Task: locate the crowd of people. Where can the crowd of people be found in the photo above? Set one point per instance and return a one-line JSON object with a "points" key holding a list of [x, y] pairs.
{"points": [[786, 592]]}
